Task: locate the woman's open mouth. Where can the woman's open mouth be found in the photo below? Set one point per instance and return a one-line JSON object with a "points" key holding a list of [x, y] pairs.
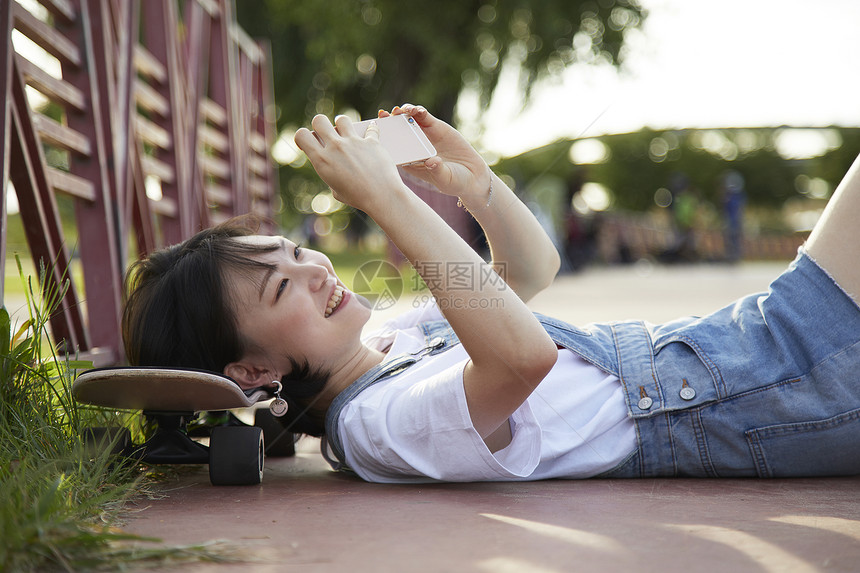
{"points": [[336, 300]]}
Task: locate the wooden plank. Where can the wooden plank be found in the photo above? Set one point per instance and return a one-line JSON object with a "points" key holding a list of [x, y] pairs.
{"points": [[45, 36], [258, 165], [152, 133], [157, 168], [121, 34], [211, 6], [248, 46], [217, 217], [166, 207], [196, 58], [72, 185], [218, 195], [214, 138], [148, 65], [213, 112], [60, 9], [149, 99], [55, 133], [98, 236], [261, 210], [258, 188], [40, 214], [257, 142], [7, 56], [214, 166], [54, 88], [142, 219], [264, 125], [224, 86], [159, 20]]}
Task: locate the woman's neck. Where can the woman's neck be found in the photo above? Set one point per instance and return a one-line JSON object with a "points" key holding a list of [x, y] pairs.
{"points": [[363, 360]]}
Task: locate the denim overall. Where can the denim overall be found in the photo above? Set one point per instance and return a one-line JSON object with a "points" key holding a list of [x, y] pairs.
{"points": [[768, 386]]}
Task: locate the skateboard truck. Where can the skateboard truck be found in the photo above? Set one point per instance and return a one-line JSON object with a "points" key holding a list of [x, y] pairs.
{"points": [[170, 444]]}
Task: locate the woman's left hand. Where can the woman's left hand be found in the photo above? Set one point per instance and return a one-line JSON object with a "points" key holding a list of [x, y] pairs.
{"points": [[358, 170]]}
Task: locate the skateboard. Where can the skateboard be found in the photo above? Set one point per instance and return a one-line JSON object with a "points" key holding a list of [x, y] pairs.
{"points": [[172, 398]]}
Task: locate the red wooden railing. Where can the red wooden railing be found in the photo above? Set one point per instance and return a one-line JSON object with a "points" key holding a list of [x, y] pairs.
{"points": [[158, 123]]}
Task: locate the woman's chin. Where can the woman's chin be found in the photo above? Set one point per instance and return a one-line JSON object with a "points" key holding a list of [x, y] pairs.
{"points": [[364, 302]]}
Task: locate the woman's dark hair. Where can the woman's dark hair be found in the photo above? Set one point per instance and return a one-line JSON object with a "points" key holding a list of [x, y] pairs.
{"points": [[178, 313]]}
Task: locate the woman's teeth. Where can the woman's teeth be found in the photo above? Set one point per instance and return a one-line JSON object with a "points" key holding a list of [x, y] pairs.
{"points": [[334, 301]]}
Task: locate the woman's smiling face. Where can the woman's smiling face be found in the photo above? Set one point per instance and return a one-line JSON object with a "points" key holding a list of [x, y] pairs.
{"points": [[297, 310]]}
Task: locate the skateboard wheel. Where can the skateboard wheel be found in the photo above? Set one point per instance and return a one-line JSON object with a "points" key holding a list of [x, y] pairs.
{"points": [[280, 443], [236, 455], [116, 441]]}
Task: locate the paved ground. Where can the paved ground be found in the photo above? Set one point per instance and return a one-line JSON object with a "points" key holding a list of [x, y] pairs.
{"points": [[306, 518]]}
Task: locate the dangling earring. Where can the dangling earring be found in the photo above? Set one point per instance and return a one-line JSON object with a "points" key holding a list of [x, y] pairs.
{"points": [[279, 406]]}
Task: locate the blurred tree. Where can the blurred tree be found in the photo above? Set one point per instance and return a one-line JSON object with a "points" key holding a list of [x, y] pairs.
{"points": [[334, 55], [642, 162]]}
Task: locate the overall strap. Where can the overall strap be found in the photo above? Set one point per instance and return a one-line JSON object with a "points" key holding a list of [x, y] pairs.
{"points": [[331, 440]]}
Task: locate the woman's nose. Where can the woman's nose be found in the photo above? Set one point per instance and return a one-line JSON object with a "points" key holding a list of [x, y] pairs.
{"points": [[317, 276]]}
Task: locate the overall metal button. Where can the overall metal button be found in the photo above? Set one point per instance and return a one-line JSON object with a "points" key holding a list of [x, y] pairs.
{"points": [[645, 403], [687, 393]]}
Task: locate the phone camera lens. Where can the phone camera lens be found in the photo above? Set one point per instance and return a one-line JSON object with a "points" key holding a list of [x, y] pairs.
{"points": [[411, 120]]}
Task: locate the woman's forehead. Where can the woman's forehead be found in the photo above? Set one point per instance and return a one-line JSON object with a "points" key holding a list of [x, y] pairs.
{"points": [[265, 240]]}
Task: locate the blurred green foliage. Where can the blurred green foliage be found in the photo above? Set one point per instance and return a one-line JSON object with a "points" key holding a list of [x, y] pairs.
{"points": [[334, 55], [637, 164]]}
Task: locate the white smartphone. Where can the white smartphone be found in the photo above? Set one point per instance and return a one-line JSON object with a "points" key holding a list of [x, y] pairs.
{"points": [[402, 137]]}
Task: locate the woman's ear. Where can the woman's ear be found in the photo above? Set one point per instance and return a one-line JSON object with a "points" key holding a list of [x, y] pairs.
{"points": [[248, 376]]}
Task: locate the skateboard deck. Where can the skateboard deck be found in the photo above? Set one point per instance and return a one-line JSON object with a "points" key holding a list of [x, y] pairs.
{"points": [[171, 398], [161, 389]]}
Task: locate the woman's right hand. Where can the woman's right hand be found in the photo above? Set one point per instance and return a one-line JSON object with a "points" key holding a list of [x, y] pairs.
{"points": [[457, 169]]}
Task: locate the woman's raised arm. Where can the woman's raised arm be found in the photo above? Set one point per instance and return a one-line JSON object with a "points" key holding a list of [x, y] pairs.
{"points": [[835, 241], [522, 253], [510, 351]]}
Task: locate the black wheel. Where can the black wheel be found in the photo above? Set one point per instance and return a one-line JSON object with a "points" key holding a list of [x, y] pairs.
{"points": [[236, 455], [115, 441], [279, 442]]}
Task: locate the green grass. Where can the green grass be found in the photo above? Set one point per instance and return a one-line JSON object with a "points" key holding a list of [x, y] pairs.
{"points": [[62, 500]]}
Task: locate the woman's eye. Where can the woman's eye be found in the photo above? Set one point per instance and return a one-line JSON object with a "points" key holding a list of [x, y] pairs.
{"points": [[281, 286], [297, 251]]}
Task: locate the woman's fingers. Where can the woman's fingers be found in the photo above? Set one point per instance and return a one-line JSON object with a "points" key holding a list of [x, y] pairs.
{"points": [[308, 141], [311, 142], [343, 126], [372, 131], [325, 131], [323, 127], [419, 113]]}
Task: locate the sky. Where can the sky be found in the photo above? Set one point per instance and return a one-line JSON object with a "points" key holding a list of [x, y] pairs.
{"points": [[699, 63]]}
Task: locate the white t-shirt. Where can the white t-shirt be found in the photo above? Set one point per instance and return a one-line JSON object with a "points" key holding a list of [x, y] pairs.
{"points": [[415, 426]]}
